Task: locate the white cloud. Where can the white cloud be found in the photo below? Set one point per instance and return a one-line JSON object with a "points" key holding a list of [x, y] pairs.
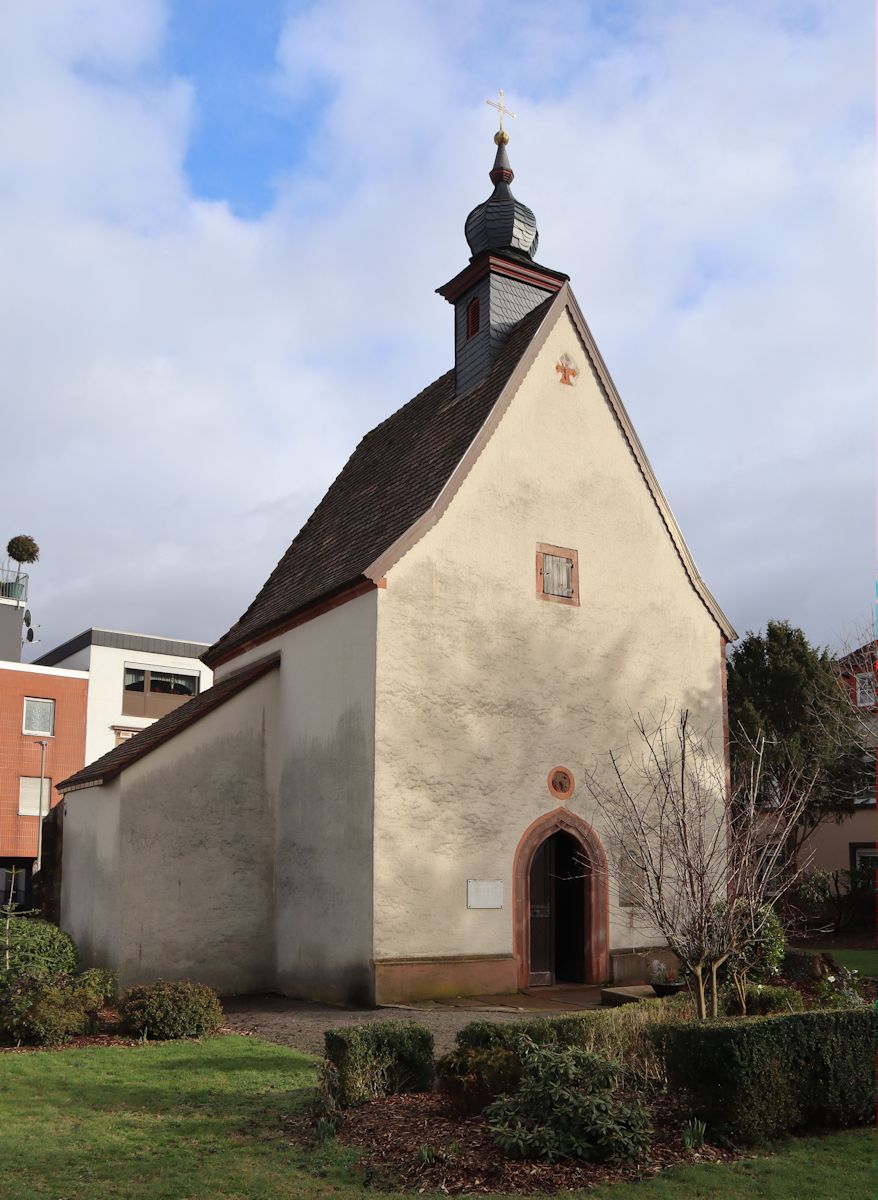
{"points": [[183, 384]]}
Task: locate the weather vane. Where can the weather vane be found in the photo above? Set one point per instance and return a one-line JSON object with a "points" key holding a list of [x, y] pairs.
{"points": [[500, 105]]}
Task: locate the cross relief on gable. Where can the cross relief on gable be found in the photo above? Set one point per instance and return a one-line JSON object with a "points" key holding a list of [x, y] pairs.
{"points": [[567, 369]]}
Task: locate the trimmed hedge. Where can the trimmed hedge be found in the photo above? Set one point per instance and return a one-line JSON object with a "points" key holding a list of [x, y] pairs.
{"points": [[378, 1059], [620, 1034], [757, 1079], [171, 1009], [35, 947]]}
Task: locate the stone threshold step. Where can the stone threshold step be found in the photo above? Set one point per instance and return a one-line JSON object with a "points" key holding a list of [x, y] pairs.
{"points": [[614, 996]]}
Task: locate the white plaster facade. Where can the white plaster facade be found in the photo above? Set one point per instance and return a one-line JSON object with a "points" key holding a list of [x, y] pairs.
{"points": [[482, 688], [168, 869]]}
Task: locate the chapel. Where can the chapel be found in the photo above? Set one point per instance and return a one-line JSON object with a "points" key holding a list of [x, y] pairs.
{"points": [[382, 796]]}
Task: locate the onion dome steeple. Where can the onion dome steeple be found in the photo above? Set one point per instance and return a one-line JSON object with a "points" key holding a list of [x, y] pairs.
{"points": [[502, 223], [502, 283]]}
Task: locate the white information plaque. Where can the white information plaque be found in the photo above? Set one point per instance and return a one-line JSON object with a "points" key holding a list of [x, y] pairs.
{"points": [[484, 893]]}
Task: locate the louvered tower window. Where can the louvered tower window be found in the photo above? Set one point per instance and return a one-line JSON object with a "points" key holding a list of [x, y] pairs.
{"points": [[473, 317]]}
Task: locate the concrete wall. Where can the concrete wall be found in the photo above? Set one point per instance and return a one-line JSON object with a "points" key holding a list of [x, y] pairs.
{"points": [[184, 842], [482, 688], [91, 895]]}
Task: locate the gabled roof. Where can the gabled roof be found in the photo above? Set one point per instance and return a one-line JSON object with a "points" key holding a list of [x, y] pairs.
{"points": [[113, 763], [402, 476], [391, 479]]}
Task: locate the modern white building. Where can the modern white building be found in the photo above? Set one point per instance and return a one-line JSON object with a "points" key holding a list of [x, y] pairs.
{"points": [[133, 680]]}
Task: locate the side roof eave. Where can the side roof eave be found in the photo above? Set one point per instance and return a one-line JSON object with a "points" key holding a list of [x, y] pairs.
{"points": [[563, 300], [111, 765]]}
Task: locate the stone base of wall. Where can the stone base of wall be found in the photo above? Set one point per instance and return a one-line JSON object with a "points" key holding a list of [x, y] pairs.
{"points": [[401, 980]]}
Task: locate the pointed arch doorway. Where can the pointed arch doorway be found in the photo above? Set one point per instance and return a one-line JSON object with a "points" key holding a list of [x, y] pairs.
{"points": [[561, 908]]}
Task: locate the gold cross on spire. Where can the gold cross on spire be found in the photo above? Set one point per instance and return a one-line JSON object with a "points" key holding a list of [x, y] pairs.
{"points": [[501, 108]]}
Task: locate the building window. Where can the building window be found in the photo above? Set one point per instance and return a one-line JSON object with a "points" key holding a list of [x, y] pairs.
{"points": [[473, 318], [29, 796], [39, 716], [13, 885], [152, 692], [557, 574], [866, 690], [864, 862]]}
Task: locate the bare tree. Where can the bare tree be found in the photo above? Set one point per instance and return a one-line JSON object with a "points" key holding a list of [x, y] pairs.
{"points": [[701, 866]]}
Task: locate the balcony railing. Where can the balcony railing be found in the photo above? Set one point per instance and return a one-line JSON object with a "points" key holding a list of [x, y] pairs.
{"points": [[13, 585]]}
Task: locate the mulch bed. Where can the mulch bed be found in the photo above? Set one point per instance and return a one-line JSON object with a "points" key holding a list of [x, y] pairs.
{"points": [[86, 1042], [394, 1132]]}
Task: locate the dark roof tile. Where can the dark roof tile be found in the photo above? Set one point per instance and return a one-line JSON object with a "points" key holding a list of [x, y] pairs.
{"points": [[391, 479]]}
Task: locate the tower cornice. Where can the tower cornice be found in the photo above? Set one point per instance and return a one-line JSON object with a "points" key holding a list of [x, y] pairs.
{"points": [[512, 268]]}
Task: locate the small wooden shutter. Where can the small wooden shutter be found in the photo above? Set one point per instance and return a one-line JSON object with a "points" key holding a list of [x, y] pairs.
{"points": [[557, 575]]}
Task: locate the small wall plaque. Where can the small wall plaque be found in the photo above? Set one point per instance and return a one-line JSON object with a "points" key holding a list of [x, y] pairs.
{"points": [[484, 893]]}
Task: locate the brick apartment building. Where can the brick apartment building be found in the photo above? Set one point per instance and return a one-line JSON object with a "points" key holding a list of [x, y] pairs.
{"points": [[37, 704]]}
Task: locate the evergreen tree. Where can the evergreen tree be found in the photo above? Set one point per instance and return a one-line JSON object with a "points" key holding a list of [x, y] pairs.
{"points": [[782, 688]]}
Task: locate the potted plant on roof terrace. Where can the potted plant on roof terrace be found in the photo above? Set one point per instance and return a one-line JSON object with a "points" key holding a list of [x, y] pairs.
{"points": [[21, 549]]}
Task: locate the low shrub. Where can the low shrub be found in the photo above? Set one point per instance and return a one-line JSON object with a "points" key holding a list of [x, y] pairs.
{"points": [[100, 986], [762, 999], [171, 1009], [840, 989], [379, 1059], [620, 1034], [30, 946], [471, 1076], [564, 1107], [756, 1080], [43, 1009]]}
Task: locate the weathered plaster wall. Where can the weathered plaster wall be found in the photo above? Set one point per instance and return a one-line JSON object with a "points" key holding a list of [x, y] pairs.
{"points": [[324, 814], [482, 688], [195, 851], [90, 877]]}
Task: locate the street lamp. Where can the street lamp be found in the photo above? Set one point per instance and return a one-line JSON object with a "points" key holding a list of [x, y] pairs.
{"points": [[42, 745]]}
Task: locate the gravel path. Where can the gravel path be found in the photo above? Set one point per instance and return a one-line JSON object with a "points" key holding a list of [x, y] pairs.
{"points": [[302, 1024]]}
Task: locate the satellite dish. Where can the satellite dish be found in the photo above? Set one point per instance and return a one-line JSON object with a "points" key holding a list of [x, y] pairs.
{"points": [[30, 635], [27, 617]]}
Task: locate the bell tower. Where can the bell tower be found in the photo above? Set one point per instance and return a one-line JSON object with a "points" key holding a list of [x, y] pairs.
{"points": [[502, 283]]}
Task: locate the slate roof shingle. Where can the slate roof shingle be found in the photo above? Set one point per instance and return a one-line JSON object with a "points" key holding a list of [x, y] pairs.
{"points": [[109, 765], [388, 483]]}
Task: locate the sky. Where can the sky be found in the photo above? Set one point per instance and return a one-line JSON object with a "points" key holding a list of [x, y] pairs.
{"points": [[222, 224]]}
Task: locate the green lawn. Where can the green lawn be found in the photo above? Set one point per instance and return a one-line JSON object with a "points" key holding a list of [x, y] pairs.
{"points": [[199, 1120], [864, 961]]}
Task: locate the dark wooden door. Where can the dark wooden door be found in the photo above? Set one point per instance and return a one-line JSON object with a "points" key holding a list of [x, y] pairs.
{"points": [[542, 923]]}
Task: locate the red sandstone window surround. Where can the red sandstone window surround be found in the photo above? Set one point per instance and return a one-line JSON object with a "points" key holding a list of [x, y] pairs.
{"points": [[473, 318], [557, 574]]}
